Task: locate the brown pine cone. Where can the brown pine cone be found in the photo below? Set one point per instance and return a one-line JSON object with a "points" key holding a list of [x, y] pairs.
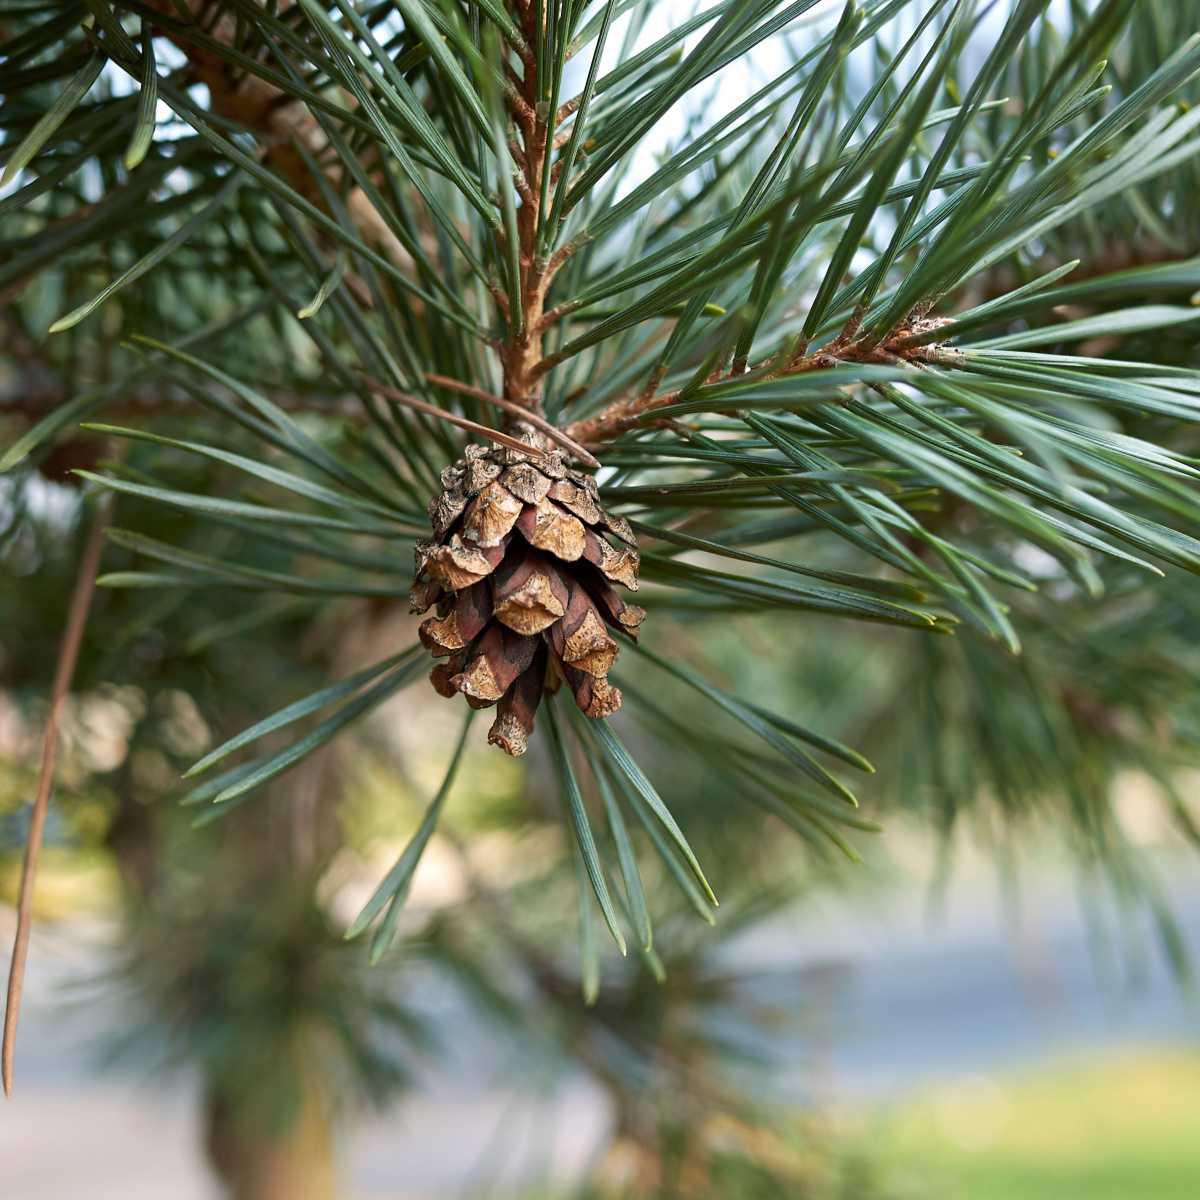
{"points": [[521, 568]]}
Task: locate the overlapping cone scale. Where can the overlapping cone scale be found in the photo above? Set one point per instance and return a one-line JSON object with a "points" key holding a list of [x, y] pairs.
{"points": [[521, 572]]}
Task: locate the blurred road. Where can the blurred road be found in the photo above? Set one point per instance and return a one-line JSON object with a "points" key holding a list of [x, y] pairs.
{"points": [[908, 1001]]}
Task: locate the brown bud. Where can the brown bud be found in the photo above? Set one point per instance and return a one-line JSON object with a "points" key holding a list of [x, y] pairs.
{"points": [[515, 615]]}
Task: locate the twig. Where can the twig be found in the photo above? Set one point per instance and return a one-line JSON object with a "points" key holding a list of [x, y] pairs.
{"points": [[432, 410], [895, 348], [521, 351], [551, 430], [68, 656]]}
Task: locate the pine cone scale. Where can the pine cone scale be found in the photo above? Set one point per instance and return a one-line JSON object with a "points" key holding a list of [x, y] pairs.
{"points": [[526, 482], [491, 515], [553, 529], [531, 596]]}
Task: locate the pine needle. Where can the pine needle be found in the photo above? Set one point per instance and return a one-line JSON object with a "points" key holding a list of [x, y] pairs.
{"points": [[432, 410]]}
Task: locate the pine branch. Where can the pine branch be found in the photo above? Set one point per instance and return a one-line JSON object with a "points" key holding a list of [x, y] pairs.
{"points": [[522, 351], [281, 123], [770, 273], [845, 349]]}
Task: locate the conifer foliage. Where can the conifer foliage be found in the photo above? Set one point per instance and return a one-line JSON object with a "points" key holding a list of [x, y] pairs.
{"points": [[850, 346]]}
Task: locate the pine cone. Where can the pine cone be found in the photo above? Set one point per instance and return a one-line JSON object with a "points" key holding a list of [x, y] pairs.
{"points": [[521, 568]]}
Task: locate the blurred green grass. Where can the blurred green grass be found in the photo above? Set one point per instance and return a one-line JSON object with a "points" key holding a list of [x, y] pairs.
{"points": [[1124, 1127], [1114, 1126]]}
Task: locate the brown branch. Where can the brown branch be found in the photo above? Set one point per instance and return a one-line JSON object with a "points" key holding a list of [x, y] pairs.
{"points": [[32, 401], [282, 123], [539, 422], [279, 121], [68, 656], [896, 348], [522, 109], [559, 258], [521, 183], [522, 349], [557, 313]]}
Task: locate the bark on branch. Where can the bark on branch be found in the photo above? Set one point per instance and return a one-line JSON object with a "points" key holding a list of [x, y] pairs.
{"points": [[280, 123]]}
